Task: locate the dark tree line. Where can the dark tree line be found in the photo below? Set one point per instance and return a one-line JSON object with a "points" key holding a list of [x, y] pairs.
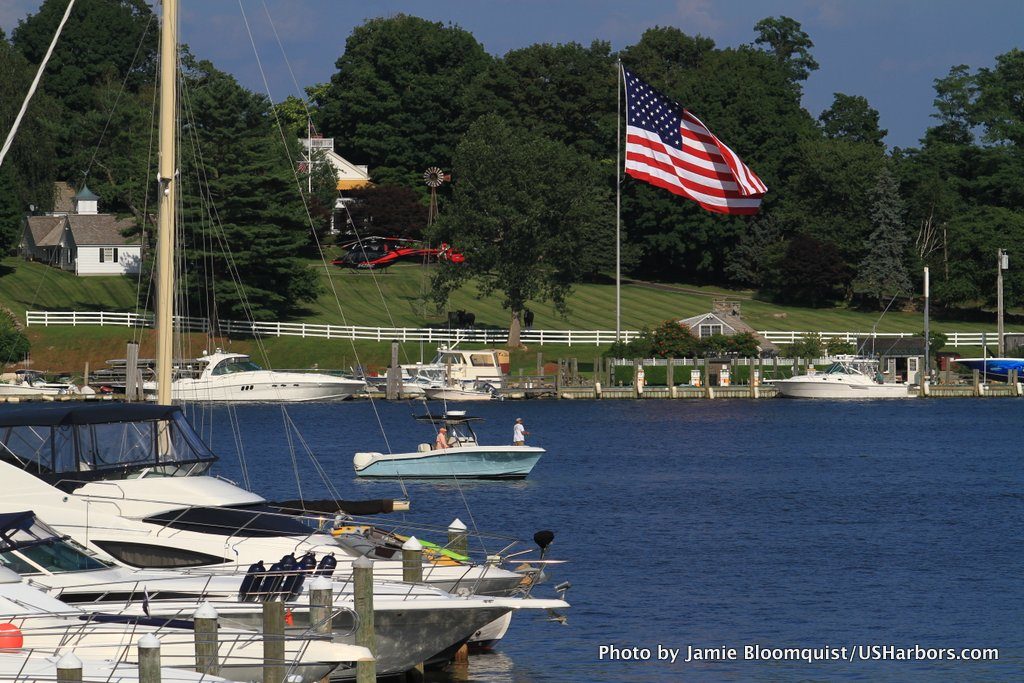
{"points": [[846, 220]]}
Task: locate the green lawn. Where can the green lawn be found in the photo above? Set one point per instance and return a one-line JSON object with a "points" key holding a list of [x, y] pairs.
{"points": [[399, 297]]}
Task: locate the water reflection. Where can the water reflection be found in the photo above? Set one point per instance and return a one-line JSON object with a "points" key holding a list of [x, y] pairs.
{"points": [[486, 667]]}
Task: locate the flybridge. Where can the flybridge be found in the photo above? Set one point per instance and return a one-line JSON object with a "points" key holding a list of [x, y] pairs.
{"points": [[69, 445]]}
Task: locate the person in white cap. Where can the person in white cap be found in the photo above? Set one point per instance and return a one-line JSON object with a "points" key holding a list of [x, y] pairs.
{"points": [[519, 433]]}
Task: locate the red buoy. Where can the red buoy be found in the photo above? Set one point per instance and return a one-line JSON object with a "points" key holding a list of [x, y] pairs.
{"points": [[10, 637]]}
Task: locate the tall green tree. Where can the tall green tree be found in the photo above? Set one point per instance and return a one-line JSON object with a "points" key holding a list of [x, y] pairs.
{"points": [[851, 118], [245, 225], [563, 92], [785, 39], [525, 234], [883, 271], [393, 102], [26, 178]]}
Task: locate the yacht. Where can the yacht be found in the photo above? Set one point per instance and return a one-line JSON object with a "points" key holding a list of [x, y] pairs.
{"points": [[18, 666], [847, 377], [412, 623], [234, 377], [995, 368], [32, 384], [450, 365], [51, 627]]}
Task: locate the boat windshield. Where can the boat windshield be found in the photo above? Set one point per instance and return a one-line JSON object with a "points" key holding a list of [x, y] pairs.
{"points": [[233, 365], [28, 546], [71, 445]]}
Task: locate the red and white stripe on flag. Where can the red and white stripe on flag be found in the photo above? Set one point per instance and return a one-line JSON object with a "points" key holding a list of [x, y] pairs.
{"points": [[703, 168]]}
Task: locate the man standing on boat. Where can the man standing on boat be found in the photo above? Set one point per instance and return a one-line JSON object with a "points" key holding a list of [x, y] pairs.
{"points": [[519, 433], [442, 439]]}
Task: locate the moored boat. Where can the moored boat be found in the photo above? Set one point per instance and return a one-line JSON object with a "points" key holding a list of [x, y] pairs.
{"points": [[848, 377], [464, 458], [994, 368]]}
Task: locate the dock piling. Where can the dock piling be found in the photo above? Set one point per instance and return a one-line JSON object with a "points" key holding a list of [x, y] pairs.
{"points": [[362, 578], [394, 386], [149, 659], [206, 630], [69, 669], [273, 641], [458, 540], [321, 605], [412, 561]]}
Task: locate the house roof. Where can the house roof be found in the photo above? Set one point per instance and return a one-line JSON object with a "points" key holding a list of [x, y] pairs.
{"points": [[86, 194], [46, 230], [102, 228], [734, 323]]}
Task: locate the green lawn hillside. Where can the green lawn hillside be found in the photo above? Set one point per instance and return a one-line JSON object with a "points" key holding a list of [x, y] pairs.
{"points": [[399, 297]]}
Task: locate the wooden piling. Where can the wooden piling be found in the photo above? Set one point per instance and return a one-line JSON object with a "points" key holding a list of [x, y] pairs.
{"points": [[69, 669], [149, 659], [206, 633], [362, 577], [321, 605], [131, 372], [85, 375], [977, 382], [669, 374], [273, 642], [412, 561], [540, 363], [458, 539], [394, 385]]}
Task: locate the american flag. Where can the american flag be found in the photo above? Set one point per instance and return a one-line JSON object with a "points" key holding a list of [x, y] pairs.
{"points": [[669, 147]]}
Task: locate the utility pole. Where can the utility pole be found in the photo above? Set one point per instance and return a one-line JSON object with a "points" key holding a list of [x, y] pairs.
{"points": [[1002, 263], [927, 332]]}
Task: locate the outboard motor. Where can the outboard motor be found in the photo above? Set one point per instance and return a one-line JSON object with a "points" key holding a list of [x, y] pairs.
{"points": [[307, 565], [326, 566], [249, 591]]}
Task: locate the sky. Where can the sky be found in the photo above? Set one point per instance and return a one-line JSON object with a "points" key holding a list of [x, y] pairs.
{"points": [[889, 51]]}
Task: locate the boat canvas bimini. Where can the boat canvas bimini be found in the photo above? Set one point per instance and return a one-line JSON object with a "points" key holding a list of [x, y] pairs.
{"points": [[994, 368], [846, 378], [464, 458]]}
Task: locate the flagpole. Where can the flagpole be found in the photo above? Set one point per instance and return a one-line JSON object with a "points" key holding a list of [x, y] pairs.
{"points": [[618, 202]]}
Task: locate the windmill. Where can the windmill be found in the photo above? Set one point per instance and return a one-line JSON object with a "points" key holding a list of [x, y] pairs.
{"points": [[434, 177]]}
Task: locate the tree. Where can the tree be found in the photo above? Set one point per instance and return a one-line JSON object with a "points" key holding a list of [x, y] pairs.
{"points": [[883, 272], [387, 210], [851, 118], [526, 234], [809, 272], [750, 260], [954, 97], [563, 92], [26, 177], [786, 40], [999, 106], [393, 100], [242, 210]]}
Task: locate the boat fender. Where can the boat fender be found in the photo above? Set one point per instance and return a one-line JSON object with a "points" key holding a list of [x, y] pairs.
{"points": [[271, 586], [10, 637], [307, 564], [289, 575], [292, 585], [326, 566], [248, 591]]}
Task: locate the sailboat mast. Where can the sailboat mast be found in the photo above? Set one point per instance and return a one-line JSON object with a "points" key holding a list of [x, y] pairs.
{"points": [[618, 202], [167, 205]]}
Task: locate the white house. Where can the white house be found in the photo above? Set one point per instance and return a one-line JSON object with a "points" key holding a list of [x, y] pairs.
{"points": [[83, 241], [350, 176]]}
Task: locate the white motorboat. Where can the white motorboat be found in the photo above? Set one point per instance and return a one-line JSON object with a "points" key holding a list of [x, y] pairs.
{"points": [[465, 391], [847, 377], [31, 384], [234, 377], [465, 457], [458, 366], [51, 627]]}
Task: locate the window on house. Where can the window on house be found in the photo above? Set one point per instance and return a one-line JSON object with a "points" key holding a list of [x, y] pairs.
{"points": [[108, 255], [709, 330]]}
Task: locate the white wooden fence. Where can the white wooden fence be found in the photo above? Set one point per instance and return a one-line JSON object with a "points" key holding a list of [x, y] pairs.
{"points": [[435, 334]]}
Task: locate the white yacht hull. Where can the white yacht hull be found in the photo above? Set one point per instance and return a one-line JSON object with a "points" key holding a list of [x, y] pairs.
{"points": [[822, 388], [266, 386], [450, 394]]}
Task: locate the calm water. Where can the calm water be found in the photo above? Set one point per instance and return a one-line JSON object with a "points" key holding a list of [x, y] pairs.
{"points": [[722, 523]]}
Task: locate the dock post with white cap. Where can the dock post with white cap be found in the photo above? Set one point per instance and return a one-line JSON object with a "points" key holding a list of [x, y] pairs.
{"points": [[362, 578], [69, 669], [412, 561], [321, 605], [458, 540], [206, 630], [149, 659]]}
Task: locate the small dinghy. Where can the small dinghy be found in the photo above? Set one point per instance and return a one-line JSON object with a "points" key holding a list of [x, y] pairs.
{"points": [[464, 457]]}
